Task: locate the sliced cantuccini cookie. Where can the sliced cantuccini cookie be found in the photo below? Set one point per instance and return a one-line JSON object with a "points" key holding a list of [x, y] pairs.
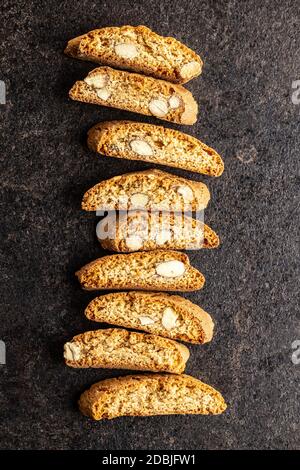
{"points": [[156, 144], [116, 348], [140, 230], [145, 270], [137, 93], [149, 395], [163, 314], [151, 190], [139, 49]]}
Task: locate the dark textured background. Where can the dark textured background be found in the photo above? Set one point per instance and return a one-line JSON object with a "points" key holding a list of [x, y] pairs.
{"points": [[251, 55]]}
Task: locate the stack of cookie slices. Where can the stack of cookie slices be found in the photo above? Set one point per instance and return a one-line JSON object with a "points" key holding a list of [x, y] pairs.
{"points": [[152, 223]]}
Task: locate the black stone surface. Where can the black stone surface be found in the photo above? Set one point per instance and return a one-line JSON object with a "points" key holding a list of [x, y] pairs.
{"points": [[251, 55]]}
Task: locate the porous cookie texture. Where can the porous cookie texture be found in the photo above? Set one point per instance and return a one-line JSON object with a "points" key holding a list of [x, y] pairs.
{"points": [[139, 49], [137, 93], [159, 313], [140, 230], [117, 348], [157, 144], [151, 190], [146, 270], [149, 395]]}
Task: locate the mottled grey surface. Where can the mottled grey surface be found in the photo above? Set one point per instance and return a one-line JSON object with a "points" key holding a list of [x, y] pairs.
{"points": [[251, 55]]}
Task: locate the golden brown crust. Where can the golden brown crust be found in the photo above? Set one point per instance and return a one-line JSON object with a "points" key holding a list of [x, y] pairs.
{"points": [[131, 309], [117, 348], [137, 93], [149, 395], [151, 54], [161, 145], [162, 191], [147, 231], [211, 238], [142, 271]]}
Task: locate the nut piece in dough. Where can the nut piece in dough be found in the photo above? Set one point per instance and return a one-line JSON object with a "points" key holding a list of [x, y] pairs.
{"points": [[141, 147], [96, 81], [174, 102], [172, 268], [139, 200], [185, 353], [126, 50], [134, 242], [186, 192], [169, 318], [190, 69], [103, 94], [146, 320], [72, 352], [158, 107]]}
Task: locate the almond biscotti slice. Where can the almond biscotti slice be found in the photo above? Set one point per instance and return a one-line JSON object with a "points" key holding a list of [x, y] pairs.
{"points": [[159, 313], [137, 93], [116, 348], [151, 270], [149, 395], [156, 144], [151, 190], [139, 49], [146, 231]]}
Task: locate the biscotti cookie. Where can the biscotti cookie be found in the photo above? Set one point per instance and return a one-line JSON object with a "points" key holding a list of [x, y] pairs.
{"points": [[151, 190], [116, 348], [137, 93], [159, 313], [146, 270], [149, 395], [141, 230], [139, 49], [156, 144]]}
